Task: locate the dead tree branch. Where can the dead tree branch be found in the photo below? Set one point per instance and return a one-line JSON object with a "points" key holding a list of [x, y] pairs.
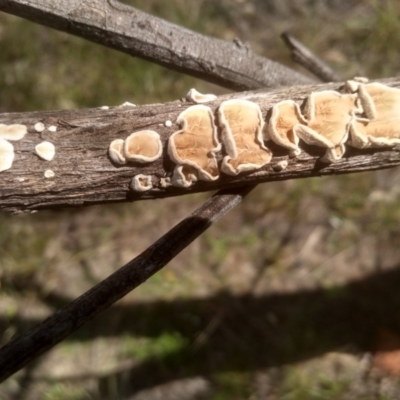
{"points": [[18, 352], [305, 57], [136, 33], [84, 173]]}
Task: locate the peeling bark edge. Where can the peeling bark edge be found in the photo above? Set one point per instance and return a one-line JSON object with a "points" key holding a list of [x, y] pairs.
{"points": [[85, 175]]}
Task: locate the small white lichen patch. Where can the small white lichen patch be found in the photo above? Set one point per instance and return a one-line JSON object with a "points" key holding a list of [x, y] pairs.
{"points": [[39, 127], [6, 155], [52, 128], [45, 150], [20, 180], [196, 97], [104, 108], [49, 174], [13, 132], [116, 151], [168, 123], [141, 183]]}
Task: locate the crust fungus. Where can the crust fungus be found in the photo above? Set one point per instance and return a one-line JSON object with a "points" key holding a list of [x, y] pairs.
{"points": [[6, 155], [381, 127], [12, 132], [242, 126], [184, 176], [285, 115], [39, 127], [195, 146], [141, 183], [116, 151], [280, 165], [45, 150], [329, 114], [52, 128], [48, 174], [143, 146], [165, 182], [196, 97], [127, 104]]}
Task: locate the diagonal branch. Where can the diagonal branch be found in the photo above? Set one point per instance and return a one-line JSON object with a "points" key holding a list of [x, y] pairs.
{"points": [[18, 352], [84, 174], [305, 57], [131, 31]]}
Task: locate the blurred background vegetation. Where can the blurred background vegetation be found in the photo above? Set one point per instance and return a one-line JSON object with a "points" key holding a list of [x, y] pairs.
{"points": [[293, 295]]}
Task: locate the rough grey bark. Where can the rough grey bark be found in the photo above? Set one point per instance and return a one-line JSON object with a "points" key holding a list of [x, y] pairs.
{"points": [[124, 28], [84, 174]]}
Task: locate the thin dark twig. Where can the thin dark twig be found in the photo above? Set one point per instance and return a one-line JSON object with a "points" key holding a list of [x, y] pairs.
{"points": [[305, 57], [19, 351]]}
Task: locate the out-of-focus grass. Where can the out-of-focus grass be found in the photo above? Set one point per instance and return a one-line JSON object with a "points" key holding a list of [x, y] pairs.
{"points": [[60, 391], [285, 238], [144, 348]]}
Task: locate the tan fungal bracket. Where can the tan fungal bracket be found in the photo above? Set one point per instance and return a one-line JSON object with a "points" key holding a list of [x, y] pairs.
{"points": [[328, 115], [6, 155], [194, 147], [285, 115], [116, 151], [365, 115], [381, 125], [141, 183], [196, 97], [143, 146], [242, 125]]}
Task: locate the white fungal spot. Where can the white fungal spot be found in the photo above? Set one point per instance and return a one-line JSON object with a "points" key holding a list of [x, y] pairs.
{"points": [[6, 155], [104, 108], [39, 127], [127, 104], [49, 174], [12, 132], [20, 180], [116, 151], [196, 97], [165, 182], [45, 150], [143, 146], [141, 183], [52, 128], [281, 165], [168, 123]]}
